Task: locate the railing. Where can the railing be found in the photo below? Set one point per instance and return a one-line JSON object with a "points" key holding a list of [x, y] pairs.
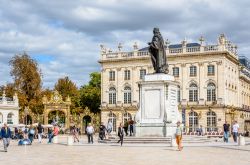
{"points": [[127, 54], [7, 102], [208, 48], [209, 131], [143, 53], [245, 107], [211, 48], [193, 49], [112, 55], [176, 50]]}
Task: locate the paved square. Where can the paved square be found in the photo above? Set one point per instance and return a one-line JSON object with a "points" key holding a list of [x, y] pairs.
{"points": [[40, 154]]}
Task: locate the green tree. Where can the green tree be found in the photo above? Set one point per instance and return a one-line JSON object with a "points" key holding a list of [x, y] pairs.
{"points": [[90, 94], [66, 88], [27, 81]]}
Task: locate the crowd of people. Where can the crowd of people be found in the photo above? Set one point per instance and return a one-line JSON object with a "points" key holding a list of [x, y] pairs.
{"points": [[226, 133], [28, 134]]}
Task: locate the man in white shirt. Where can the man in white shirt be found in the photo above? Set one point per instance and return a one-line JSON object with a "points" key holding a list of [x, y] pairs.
{"points": [[235, 130], [90, 131]]}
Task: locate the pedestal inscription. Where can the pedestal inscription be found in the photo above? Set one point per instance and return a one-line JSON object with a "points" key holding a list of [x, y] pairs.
{"points": [[158, 112]]}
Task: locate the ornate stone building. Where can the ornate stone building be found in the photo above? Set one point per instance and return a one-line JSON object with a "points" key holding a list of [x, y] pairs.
{"points": [[214, 83], [9, 110]]}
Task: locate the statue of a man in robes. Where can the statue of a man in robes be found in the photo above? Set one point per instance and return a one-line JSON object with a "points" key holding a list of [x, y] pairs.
{"points": [[158, 53]]}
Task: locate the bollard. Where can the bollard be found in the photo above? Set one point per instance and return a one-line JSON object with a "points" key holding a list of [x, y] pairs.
{"points": [[241, 141], [173, 141], [55, 139], [70, 141]]}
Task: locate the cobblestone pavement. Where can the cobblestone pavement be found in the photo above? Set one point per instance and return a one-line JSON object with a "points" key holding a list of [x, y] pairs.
{"points": [[41, 154]]}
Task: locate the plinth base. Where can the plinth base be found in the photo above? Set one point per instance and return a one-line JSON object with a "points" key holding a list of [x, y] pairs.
{"points": [[155, 130]]}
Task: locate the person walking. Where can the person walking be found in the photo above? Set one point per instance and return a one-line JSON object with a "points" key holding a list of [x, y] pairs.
{"points": [[90, 132], [50, 135], [6, 135], [120, 134], [131, 127], [53, 133], [178, 136], [226, 128], [126, 127], [109, 127], [31, 133], [75, 134], [102, 130], [40, 131], [235, 130]]}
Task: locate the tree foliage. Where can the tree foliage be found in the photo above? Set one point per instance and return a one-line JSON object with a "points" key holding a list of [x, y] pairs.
{"points": [[27, 81], [66, 88], [9, 90], [90, 94]]}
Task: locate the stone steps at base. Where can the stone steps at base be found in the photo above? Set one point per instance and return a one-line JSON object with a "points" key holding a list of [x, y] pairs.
{"points": [[158, 140]]}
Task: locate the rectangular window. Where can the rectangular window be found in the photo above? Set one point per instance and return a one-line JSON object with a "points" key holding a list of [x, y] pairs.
{"points": [[127, 75], [175, 71], [127, 98], [112, 98], [142, 73], [111, 75], [210, 70], [193, 95], [193, 71]]}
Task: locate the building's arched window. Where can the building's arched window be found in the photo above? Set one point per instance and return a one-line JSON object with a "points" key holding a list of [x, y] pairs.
{"points": [[211, 121], [127, 95], [10, 118], [1, 118], [112, 95], [127, 116], [193, 121], [211, 96], [193, 92], [112, 119], [178, 94]]}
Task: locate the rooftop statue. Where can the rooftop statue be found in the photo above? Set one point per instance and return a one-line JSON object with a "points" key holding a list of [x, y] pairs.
{"points": [[158, 53]]}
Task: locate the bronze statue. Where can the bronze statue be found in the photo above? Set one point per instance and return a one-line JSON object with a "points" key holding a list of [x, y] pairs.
{"points": [[158, 53]]}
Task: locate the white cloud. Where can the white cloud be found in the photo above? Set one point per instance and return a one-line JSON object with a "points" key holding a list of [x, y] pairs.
{"points": [[68, 33]]}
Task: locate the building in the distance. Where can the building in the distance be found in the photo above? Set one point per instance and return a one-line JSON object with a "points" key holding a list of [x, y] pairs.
{"points": [[214, 83], [9, 110]]}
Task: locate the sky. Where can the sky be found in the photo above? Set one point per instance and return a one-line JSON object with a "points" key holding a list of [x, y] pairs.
{"points": [[64, 36]]}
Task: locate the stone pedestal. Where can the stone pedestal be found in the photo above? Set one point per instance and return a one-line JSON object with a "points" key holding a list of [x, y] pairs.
{"points": [[158, 112]]}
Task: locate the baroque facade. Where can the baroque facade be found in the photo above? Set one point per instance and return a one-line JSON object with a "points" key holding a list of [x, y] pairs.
{"points": [[214, 83], [9, 110]]}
